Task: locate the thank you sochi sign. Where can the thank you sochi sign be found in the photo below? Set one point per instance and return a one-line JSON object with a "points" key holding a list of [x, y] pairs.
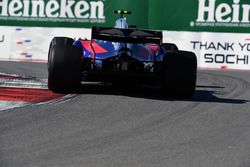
{"points": [[215, 50]]}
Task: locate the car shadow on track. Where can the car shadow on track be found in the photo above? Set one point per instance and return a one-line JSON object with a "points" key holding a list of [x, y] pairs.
{"points": [[203, 93]]}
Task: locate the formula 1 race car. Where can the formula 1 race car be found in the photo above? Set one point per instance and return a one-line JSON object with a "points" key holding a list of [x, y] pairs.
{"points": [[122, 54]]}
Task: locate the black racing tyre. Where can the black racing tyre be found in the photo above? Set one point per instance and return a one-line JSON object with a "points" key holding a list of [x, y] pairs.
{"points": [[169, 47], [59, 41], [64, 68], [179, 74]]}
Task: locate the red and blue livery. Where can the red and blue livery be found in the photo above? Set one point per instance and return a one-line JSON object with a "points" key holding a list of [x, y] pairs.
{"points": [[123, 54]]}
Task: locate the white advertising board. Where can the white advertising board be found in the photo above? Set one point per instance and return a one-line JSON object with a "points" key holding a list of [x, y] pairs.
{"points": [[32, 44], [5, 36], [214, 50]]}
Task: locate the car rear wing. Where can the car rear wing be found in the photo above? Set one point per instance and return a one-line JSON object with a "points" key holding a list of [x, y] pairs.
{"points": [[127, 35]]}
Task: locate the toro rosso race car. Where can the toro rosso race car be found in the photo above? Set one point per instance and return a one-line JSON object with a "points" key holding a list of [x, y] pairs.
{"points": [[122, 54]]}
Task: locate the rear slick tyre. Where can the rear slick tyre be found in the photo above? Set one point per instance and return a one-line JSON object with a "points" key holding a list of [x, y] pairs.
{"points": [[179, 74], [64, 69]]}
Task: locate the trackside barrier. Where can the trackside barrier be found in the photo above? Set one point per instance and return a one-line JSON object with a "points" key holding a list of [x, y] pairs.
{"points": [[213, 50]]}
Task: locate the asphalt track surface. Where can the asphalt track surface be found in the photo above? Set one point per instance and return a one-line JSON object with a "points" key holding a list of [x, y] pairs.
{"points": [[118, 128]]}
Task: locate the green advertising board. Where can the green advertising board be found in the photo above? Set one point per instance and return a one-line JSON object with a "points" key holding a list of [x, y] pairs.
{"points": [[69, 13], [200, 15], [178, 15]]}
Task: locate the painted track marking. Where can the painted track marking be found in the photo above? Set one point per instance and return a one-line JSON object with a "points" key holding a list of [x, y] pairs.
{"points": [[18, 91]]}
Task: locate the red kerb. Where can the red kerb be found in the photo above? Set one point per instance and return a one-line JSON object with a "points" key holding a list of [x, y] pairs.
{"points": [[28, 95]]}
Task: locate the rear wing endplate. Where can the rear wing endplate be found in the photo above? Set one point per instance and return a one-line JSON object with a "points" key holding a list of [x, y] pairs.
{"points": [[127, 35]]}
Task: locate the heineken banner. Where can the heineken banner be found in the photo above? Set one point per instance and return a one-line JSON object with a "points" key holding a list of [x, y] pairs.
{"points": [[200, 15], [69, 13], [180, 15]]}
